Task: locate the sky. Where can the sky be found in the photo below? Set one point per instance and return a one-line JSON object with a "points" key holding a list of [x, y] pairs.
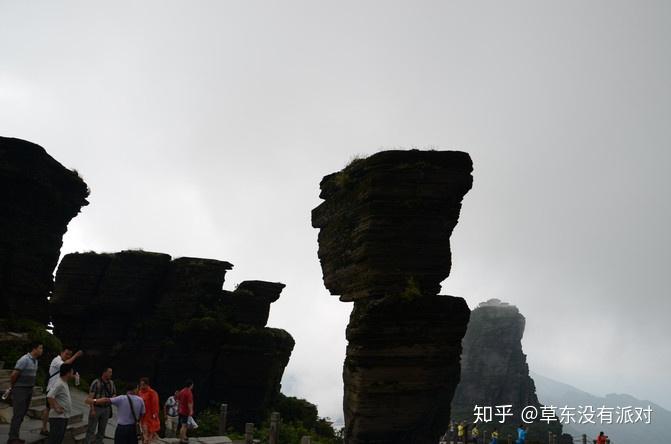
{"points": [[204, 128]]}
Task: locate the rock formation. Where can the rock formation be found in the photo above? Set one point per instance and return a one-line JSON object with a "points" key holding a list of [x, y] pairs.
{"points": [[38, 198], [384, 243], [494, 369], [147, 315]]}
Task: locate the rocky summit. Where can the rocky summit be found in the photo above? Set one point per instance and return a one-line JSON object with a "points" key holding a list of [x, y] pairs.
{"points": [[494, 369], [384, 243], [145, 314], [38, 198]]}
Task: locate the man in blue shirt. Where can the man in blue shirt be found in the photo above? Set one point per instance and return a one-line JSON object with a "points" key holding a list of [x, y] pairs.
{"points": [[22, 381], [521, 434]]}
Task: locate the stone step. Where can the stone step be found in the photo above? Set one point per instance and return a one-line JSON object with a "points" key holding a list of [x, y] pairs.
{"points": [[35, 412], [77, 428], [213, 440], [77, 417], [79, 438], [38, 401]]}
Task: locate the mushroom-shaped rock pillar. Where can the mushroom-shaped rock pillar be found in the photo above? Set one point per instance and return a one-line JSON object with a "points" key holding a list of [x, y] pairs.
{"points": [[384, 243]]}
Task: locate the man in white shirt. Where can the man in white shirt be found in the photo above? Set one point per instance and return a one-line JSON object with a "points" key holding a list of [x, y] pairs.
{"points": [[65, 357], [60, 404], [170, 409]]}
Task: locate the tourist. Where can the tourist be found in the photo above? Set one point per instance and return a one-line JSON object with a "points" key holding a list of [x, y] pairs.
{"points": [[170, 411], [460, 432], [495, 437], [185, 410], [60, 403], [22, 381], [602, 438], [64, 357], [130, 410], [150, 423], [521, 434], [451, 432], [475, 434], [102, 387]]}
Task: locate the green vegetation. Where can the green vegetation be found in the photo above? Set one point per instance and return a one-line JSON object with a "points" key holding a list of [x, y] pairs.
{"points": [[11, 349], [298, 418]]}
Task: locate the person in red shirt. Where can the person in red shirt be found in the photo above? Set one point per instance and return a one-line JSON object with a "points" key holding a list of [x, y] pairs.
{"points": [[185, 410], [601, 439], [150, 422]]}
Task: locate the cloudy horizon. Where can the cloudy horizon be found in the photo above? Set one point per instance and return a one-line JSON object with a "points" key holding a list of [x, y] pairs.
{"points": [[203, 129]]}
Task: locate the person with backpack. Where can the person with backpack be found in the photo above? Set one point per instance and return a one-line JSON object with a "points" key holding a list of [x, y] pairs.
{"points": [[130, 410], [64, 357], [170, 409], [102, 387]]}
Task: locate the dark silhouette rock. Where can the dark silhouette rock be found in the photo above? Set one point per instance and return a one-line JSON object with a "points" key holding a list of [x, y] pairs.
{"points": [[386, 221], [384, 243], [251, 301], [38, 198], [147, 315], [494, 369]]}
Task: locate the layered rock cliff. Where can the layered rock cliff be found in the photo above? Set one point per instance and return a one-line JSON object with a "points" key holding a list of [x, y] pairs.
{"points": [[145, 314], [38, 198], [384, 243], [494, 369]]}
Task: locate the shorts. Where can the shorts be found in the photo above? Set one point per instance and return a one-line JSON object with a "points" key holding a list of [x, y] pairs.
{"points": [[182, 420]]}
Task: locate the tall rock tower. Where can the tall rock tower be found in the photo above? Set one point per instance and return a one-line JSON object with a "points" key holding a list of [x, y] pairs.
{"points": [[384, 244], [38, 198], [494, 369]]}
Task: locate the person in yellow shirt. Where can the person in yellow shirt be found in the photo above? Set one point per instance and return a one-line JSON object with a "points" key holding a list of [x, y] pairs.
{"points": [[461, 430], [475, 434], [495, 437]]}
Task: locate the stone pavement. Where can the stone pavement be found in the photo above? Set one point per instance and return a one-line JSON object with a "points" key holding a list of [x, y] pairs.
{"points": [[76, 432]]}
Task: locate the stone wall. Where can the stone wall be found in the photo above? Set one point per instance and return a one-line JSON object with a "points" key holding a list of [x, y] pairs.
{"points": [[384, 243], [38, 198]]}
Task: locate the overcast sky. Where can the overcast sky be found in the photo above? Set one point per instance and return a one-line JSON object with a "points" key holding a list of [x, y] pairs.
{"points": [[204, 128]]}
